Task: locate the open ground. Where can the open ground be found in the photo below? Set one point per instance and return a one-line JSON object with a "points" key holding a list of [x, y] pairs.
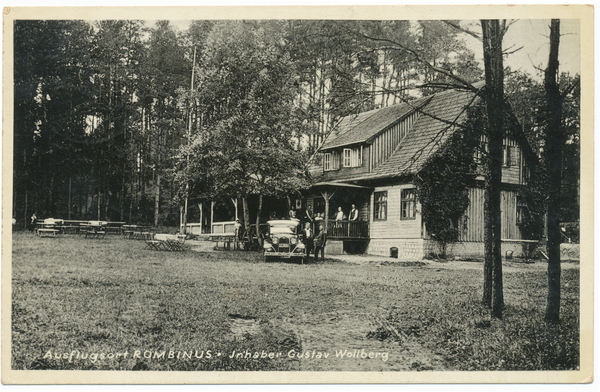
{"points": [[111, 304]]}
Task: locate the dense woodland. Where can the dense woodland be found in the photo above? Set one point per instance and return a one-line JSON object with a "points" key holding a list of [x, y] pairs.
{"points": [[125, 120]]}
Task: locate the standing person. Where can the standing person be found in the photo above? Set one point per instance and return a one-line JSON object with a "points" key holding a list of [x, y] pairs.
{"points": [[238, 230], [309, 216], [340, 214], [320, 241], [353, 213], [32, 224], [318, 222], [309, 236]]}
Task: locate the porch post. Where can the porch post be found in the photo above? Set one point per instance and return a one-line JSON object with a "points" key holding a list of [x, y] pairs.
{"points": [[235, 205], [200, 206], [181, 228], [326, 198]]}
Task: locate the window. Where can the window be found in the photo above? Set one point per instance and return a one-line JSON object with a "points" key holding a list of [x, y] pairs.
{"points": [[380, 206], [327, 162], [408, 203], [352, 157], [525, 174], [509, 156], [522, 211], [347, 157], [513, 155], [319, 205], [505, 156], [356, 157], [481, 150]]}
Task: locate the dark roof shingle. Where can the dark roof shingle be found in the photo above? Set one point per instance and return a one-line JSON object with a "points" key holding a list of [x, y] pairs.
{"points": [[360, 128], [431, 130], [429, 133]]}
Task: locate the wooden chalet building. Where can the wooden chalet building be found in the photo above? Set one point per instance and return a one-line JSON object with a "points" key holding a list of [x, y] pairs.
{"points": [[371, 160]]}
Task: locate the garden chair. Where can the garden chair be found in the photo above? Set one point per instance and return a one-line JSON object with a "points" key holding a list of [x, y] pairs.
{"points": [[177, 243], [153, 244]]}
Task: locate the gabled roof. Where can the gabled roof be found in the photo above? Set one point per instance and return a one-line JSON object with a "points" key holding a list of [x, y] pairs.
{"points": [[434, 126], [364, 126], [429, 133]]}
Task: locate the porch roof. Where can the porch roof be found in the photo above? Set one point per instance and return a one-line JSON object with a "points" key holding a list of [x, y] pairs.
{"points": [[334, 184]]}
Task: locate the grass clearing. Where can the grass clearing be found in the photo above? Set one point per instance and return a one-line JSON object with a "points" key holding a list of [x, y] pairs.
{"points": [[112, 296]]}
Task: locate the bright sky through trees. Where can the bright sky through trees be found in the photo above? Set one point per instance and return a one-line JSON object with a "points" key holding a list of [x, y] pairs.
{"points": [[531, 34]]}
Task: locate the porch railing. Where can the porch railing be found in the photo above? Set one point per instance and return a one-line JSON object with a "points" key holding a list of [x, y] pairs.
{"points": [[223, 227], [348, 229]]}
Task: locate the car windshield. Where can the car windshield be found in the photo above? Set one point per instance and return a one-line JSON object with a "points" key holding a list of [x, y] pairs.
{"points": [[283, 230]]}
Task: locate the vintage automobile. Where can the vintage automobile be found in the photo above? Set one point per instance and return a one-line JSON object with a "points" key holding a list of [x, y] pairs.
{"points": [[284, 241]]}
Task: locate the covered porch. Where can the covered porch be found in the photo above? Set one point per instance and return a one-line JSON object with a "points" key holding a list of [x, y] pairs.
{"points": [[329, 198]]}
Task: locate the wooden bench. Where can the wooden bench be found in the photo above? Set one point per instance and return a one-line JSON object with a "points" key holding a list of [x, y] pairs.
{"points": [[229, 242], [47, 232], [70, 229], [95, 234]]}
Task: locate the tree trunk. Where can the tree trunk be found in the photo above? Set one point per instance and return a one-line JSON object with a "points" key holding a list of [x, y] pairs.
{"points": [[494, 94], [69, 203], [106, 205], [554, 149], [246, 217], [122, 195], [98, 204], [157, 199], [258, 213]]}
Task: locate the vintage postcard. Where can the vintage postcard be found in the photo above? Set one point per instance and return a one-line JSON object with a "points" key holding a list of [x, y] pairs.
{"points": [[298, 195]]}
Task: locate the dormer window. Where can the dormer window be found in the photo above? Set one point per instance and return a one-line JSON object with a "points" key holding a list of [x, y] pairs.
{"points": [[331, 161], [352, 157], [327, 162]]}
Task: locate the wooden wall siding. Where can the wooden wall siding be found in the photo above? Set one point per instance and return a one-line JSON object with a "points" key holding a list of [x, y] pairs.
{"points": [[512, 173], [393, 227], [310, 201], [472, 220], [510, 230], [474, 216], [363, 211], [384, 144]]}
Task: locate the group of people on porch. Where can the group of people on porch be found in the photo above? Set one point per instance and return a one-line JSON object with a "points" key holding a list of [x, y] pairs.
{"points": [[315, 219]]}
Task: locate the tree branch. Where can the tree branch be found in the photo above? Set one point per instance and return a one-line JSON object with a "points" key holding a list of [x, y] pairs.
{"points": [[463, 30]]}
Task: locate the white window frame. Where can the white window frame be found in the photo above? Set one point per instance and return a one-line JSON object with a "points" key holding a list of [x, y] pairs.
{"points": [[408, 204], [327, 162], [347, 157], [380, 206]]}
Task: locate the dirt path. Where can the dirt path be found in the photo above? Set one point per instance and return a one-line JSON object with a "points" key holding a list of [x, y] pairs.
{"points": [[343, 337]]}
